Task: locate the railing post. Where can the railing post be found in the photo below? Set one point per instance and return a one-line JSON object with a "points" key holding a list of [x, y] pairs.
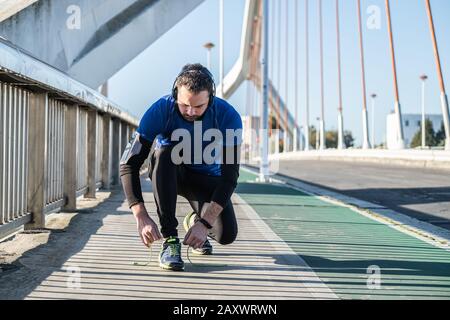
{"points": [[70, 158], [124, 136], [91, 153], [106, 178], [37, 152], [115, 154]]}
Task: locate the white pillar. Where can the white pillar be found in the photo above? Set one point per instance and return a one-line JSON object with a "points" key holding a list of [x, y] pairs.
{"points": [[322, 134], [285, 139], [423, 115], [295, 146], [400, 136], [366, 144], [444, 105], [373, 123], [341, 144]]}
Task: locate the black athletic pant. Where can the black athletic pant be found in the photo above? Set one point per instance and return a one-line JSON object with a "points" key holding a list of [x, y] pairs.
{"points": [[170, 180]]}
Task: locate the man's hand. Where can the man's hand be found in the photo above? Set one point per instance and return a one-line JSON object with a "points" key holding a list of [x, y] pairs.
{"points": [[196, 236], [147, 228]]}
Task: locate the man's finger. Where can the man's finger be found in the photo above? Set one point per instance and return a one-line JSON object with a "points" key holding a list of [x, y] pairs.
{"points": [[149, 236], [144, 240], [195, 243], [156, 234], [191, 240], [186, 237], [200, 244]]}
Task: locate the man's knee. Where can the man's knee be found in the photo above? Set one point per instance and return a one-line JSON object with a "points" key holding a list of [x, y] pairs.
{"points": [[228, 237]]}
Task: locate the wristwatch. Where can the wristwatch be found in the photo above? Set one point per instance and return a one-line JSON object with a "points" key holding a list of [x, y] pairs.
{"points": [[205, 223]]}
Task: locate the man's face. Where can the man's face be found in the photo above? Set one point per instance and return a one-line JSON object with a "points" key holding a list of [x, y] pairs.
{"points": [[192, 106]]}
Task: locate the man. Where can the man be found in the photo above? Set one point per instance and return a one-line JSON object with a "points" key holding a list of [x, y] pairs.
{"points": [[191, 110]]}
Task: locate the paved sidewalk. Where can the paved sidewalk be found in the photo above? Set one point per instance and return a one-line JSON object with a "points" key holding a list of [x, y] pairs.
{"points": [[102, 244], [291, 245]]}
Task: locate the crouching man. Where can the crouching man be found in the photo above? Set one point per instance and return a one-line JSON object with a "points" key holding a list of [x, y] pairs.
{"points": [[193, 139]]}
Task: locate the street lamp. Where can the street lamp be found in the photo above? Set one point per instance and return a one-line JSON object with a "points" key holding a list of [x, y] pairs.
{"points": [[424, 78], [221, 46], [208, 47], [373, 96]]}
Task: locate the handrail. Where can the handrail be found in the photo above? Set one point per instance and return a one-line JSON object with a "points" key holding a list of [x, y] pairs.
{"points": [[59, 139], [17, 62]]}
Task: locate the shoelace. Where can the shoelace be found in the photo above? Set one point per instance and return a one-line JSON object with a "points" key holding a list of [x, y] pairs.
{"points": [[142, 264], [197, 265]]}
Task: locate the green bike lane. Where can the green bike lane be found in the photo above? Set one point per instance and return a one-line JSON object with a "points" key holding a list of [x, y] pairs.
{"points": [[346, 249]]}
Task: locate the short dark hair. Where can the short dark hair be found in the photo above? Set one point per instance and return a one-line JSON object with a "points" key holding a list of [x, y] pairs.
{"points": [[195, 79]]}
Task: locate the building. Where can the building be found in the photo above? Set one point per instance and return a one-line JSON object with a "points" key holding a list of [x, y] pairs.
{"points": [[411, 124]]}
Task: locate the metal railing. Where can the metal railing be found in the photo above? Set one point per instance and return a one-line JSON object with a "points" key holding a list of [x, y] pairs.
{"points": [[98, 164], [59, 140], [55, 152], [82, 152], [13, 152]]}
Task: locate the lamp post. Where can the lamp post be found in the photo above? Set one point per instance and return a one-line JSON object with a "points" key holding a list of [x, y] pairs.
{"points": [[366, 144], [264, 167], [296, 133], [307, 75], [208, 47], [373, 96], [222, 50], [340, 114], [322, 95], [286, 109], [424, 79]]}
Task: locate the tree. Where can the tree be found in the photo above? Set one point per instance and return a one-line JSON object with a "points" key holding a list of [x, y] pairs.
{"points": [[349, 141], [440, 136], [331, 139], [430, 136], [312, 136]]}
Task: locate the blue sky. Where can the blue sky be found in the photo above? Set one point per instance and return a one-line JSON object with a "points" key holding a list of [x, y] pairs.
{"points": [[151, 74]]}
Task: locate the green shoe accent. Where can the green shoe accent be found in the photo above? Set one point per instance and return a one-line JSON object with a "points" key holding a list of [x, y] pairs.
{"points": [[205, 250], [189, 220], [170, 255]]}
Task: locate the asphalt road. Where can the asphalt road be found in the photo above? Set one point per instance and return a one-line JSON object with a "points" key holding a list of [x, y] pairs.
{"points": [[420, 193]]}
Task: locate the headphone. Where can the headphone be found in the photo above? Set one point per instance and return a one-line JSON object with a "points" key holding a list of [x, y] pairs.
{"points": [[202, 70]]}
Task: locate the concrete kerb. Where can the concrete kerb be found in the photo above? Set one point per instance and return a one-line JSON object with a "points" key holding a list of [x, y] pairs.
{"points": [[431, 159]]}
